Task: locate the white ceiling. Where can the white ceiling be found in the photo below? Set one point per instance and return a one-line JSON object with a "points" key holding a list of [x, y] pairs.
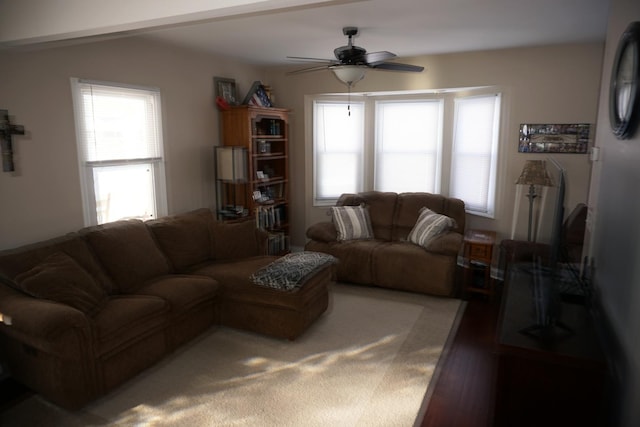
{"points": [[267, 31]]}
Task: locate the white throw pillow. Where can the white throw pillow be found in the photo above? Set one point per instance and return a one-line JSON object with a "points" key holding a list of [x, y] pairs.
{"points": [[352, 222], [429, 226]]}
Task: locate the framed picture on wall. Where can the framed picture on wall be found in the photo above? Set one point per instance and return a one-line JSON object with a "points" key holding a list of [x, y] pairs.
{"points": [[226, 89], [554, 138]]}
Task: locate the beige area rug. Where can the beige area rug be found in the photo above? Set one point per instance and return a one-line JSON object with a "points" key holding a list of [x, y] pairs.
{"points": [[367, 361]]}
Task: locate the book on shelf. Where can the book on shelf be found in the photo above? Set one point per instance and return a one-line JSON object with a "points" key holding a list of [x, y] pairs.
{"points": [[270, 217], [278, 243]]}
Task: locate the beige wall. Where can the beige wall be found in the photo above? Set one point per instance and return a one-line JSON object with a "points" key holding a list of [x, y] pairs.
{"points": [[553, 84], [42, 198]]}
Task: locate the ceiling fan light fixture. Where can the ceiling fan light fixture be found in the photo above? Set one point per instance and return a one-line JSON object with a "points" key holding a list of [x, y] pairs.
{"points": [[349, 74]]}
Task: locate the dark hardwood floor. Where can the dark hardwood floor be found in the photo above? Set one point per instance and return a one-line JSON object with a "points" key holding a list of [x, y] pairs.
{"points": [[463, 395]]}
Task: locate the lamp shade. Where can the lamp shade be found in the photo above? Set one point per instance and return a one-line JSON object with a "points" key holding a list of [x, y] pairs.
{"points": [[349, 74], [231, 164], [535, 173]]}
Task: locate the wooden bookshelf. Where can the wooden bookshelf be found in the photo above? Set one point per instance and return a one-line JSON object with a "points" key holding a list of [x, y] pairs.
{"points": [[264, 133]]}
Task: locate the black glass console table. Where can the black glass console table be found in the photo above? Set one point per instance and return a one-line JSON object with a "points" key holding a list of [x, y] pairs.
{"points": [[550, 369]]}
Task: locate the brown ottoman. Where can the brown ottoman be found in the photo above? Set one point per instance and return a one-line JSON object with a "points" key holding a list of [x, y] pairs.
{"points": [[281, 313]]}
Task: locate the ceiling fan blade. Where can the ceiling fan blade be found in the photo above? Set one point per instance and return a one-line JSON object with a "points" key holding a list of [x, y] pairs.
{"points": [[354, 56], [393, 66], [302, 58], [308, 70], [373, 58]]}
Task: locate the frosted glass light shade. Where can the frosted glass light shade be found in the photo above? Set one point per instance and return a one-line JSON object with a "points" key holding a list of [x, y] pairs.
{"points": [[349, 74]]}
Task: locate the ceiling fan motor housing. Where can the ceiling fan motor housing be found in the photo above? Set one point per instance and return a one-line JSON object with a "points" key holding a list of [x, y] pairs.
{"points": [[352, 55], [350, 31]]}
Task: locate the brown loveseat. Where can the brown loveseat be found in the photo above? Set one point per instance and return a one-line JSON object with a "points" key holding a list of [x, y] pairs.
{"points": [[84, 312], [389, 260]]}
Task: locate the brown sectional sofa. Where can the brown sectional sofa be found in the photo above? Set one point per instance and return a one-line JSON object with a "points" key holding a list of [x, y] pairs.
{"points": [[84, 312], [389, 260]]}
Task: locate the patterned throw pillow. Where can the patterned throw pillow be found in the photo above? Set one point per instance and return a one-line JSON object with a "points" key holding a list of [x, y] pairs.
{"points": [[292, 270], [352, 222], [429, 226]]}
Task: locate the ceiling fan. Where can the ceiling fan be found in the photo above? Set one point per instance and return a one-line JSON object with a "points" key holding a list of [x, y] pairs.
{"points": [[352, 62]]}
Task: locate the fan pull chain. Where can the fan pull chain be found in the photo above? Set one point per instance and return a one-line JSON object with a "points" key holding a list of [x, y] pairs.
{"points": [[349, 100]]}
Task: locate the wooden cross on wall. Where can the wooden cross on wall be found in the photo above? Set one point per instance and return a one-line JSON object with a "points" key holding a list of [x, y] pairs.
{"points": [[6, 130]]}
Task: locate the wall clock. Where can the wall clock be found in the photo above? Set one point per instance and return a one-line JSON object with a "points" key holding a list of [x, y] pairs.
{"points": [[624, 91]]}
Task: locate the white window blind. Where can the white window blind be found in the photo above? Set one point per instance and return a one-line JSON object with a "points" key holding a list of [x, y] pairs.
{"points": [[119, 134], [475, 152], [408, 145], [338, 141]]}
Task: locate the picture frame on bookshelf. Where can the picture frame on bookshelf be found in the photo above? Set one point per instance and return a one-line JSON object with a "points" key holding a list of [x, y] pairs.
{"points": [[264, 147], [225, 88]]}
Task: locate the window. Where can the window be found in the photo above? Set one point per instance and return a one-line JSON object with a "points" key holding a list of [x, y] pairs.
{"points": [[439, 143], [119, 137], [338, 149], [475, 152], [408, 145]]}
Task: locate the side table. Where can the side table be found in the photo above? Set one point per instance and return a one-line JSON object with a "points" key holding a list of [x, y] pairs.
{"points": [[478, 253]]}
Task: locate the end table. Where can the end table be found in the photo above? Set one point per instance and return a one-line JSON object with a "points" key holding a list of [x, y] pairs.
{"points": [[478, 253]]}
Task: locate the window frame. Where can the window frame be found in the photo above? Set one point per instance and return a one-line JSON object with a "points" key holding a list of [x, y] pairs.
{"points": [[87, 167], [446, 161], [490, 202], [329, 201], [378, 152]]}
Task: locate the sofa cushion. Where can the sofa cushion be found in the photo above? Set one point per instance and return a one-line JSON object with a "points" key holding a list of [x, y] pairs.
{"points": [[125, 319], [405, 266], [59, 278], [234, 240], [24, 258], [128, 252], [352, 222], [234, 272], [408, 210], [429, 226], [182, 292], [382, 206], [184, 238]]}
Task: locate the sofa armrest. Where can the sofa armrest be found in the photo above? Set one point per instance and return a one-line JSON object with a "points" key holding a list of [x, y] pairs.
{"points": [[45, 325], [447, 244], [323, 232]]}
